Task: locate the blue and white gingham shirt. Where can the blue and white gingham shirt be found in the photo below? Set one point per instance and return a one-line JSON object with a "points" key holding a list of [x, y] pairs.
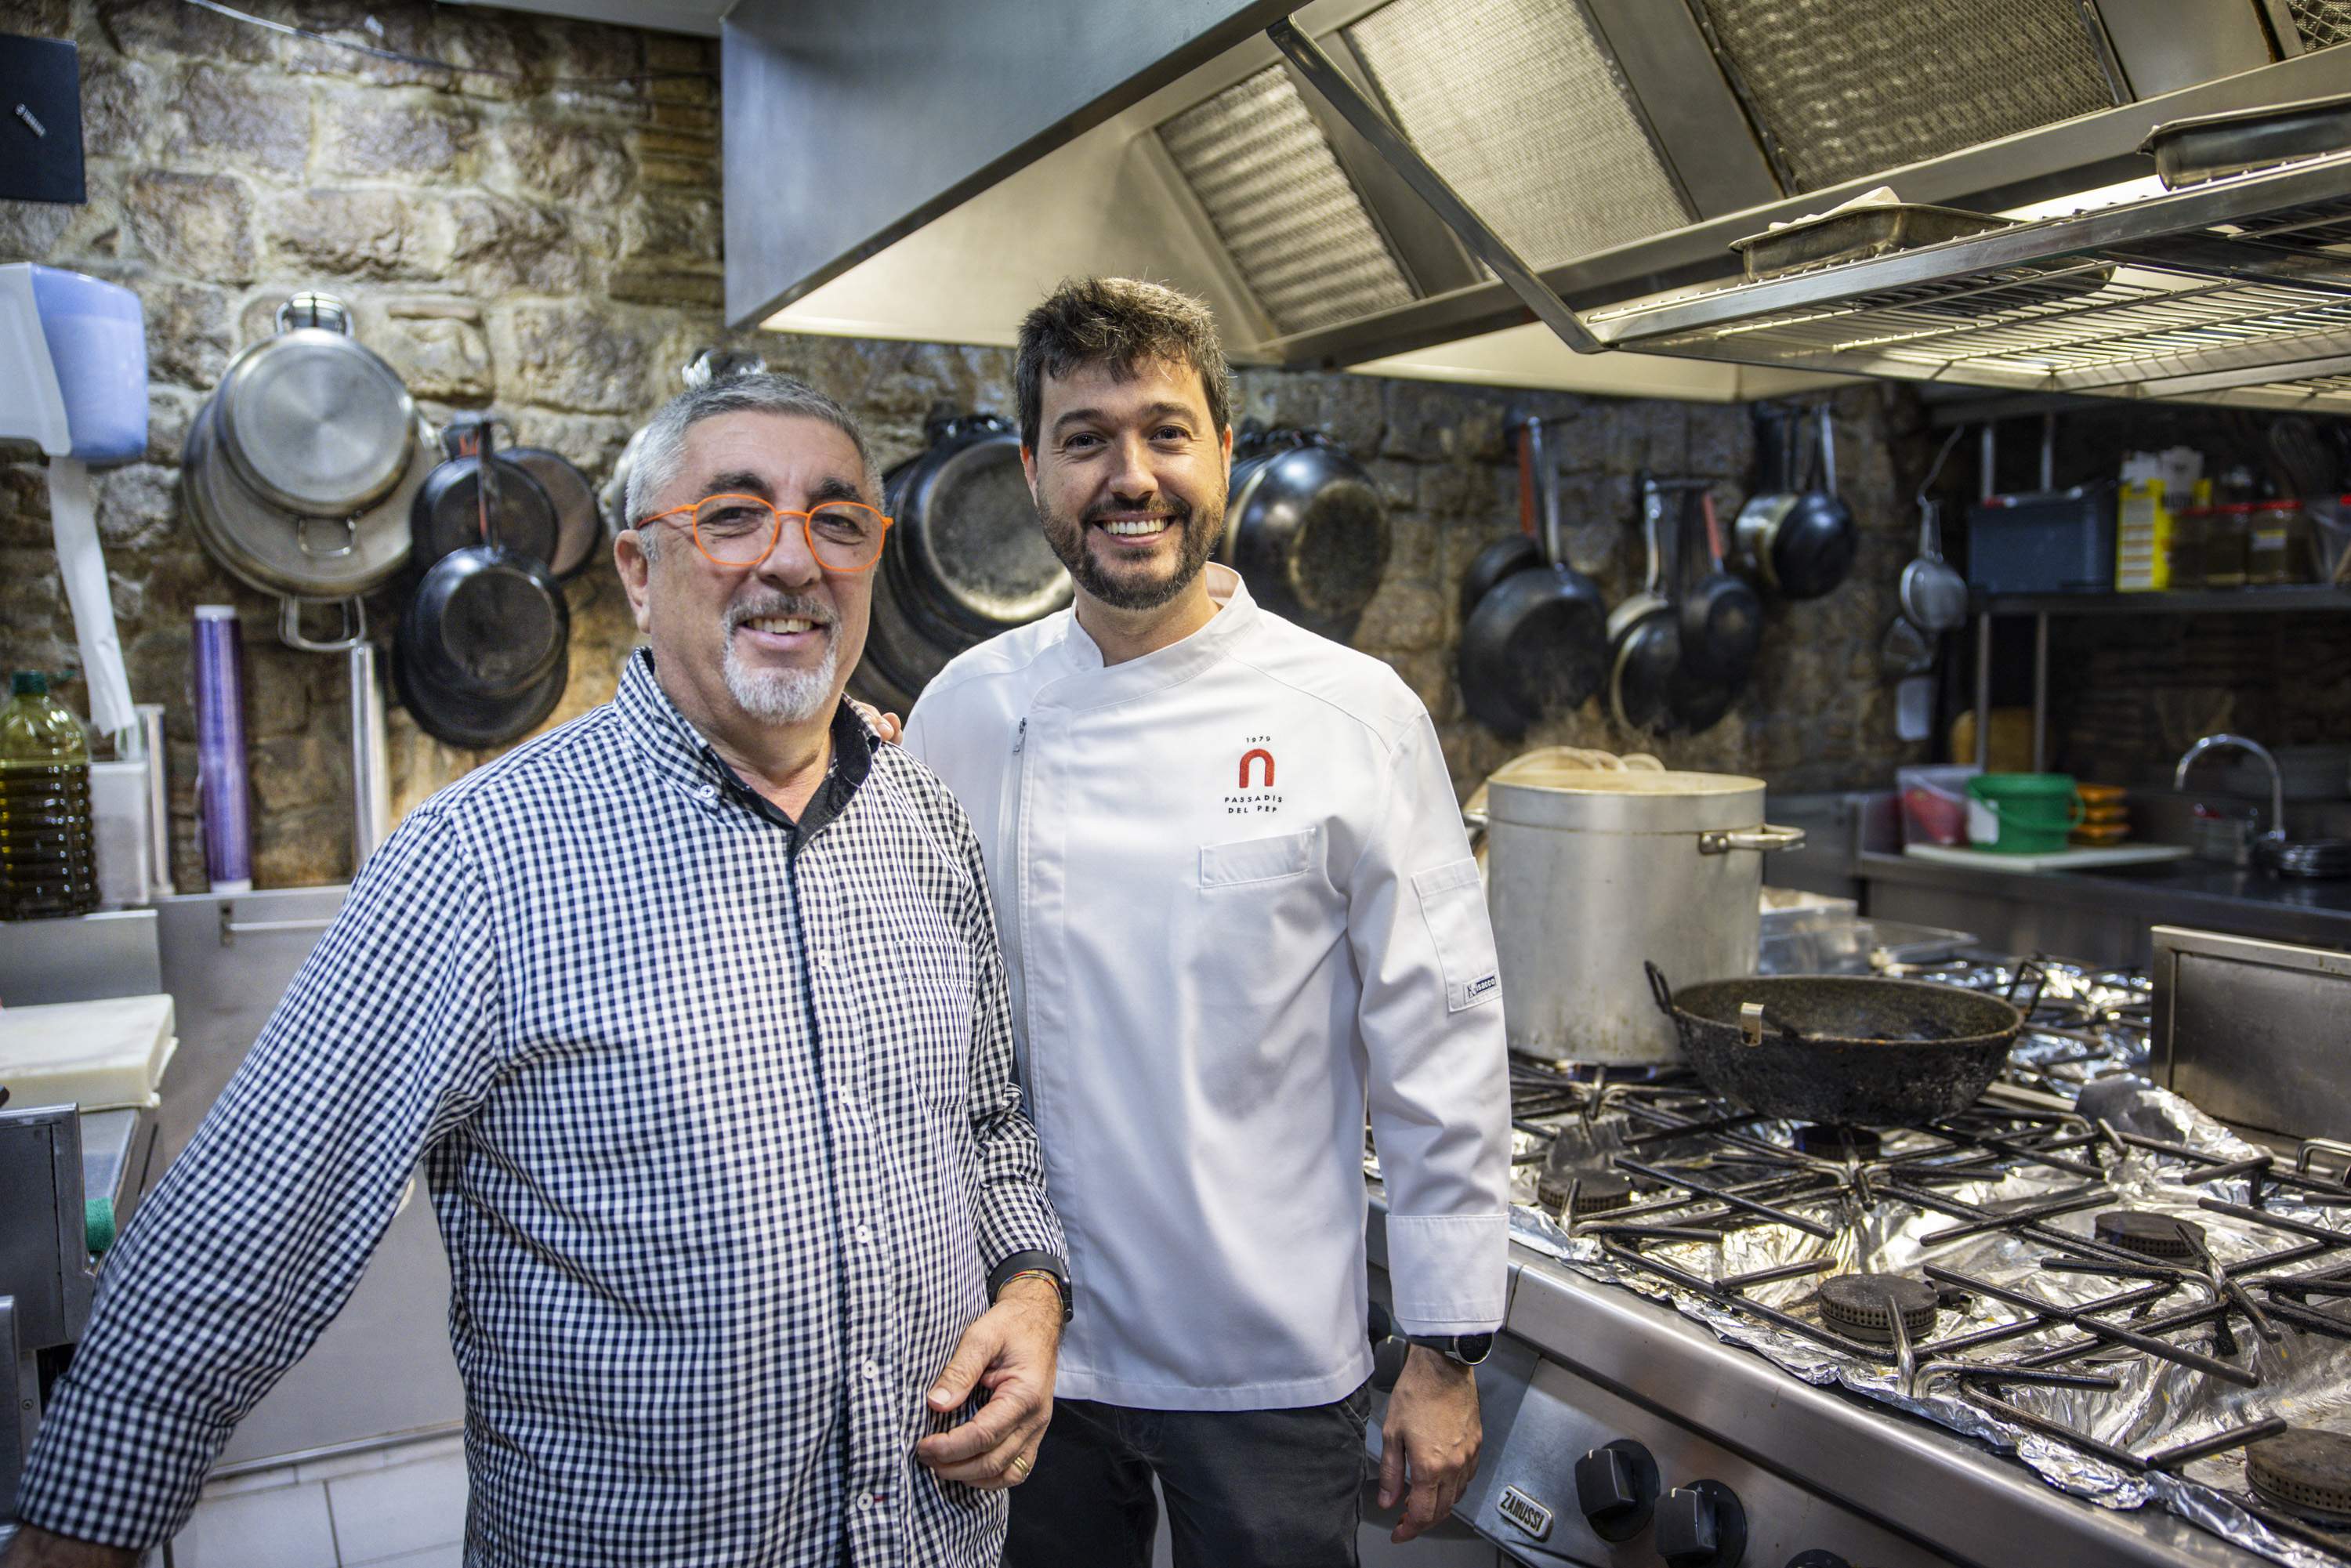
{"points": [[718, 1121]]}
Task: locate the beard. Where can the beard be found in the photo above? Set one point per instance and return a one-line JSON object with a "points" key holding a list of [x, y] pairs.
{"points": [[1201, 528], [786, 695]]}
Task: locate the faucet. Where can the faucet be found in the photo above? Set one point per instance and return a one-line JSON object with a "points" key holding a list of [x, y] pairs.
{"points": [[2277, 781]]}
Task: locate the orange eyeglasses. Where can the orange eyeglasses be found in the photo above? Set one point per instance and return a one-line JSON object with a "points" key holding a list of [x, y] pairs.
{"points": [[739, 531]]}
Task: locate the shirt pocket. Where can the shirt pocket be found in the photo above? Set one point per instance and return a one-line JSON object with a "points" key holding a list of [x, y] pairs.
{"points": [[1249, 860], [1453, 904]]}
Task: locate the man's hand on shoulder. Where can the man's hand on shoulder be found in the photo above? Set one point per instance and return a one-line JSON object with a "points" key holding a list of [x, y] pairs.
{"points": [[38, 1549], [886, 724], [1429, 1442], [1010, 1352]]}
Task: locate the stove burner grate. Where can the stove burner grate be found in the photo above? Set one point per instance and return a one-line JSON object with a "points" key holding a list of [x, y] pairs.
{"points": [[1595, 1192], [2304, 1471], [1832, 1141], [1863, 1306], [2149, 1235]]}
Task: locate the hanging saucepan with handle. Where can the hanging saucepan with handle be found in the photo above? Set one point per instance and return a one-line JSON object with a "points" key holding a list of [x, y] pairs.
{"points": [[1839, 1048], [482, 652], [1535, 636], [301, 467], [1305, 528], [1799, 542], [1934, 597]]}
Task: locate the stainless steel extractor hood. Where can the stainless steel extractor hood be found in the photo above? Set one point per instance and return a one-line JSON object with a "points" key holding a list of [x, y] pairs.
{"points": [[926, 169]]}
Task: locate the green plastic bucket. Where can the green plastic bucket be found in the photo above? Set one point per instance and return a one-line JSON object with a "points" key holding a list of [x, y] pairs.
{"points": [[2035, 810]]}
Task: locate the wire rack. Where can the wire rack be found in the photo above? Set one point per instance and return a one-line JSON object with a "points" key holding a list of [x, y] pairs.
{"points": [[2209, 295]]}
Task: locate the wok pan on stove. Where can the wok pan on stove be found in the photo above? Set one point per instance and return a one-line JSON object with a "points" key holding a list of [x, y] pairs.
{"points": [[1839, 1048]]}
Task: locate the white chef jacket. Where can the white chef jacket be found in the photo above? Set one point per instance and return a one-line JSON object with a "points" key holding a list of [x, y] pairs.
{"points": [[1237, 907]]}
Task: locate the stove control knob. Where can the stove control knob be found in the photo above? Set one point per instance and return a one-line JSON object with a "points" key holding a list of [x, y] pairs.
{"points": [[1702, 1525], [1616, 1487]]}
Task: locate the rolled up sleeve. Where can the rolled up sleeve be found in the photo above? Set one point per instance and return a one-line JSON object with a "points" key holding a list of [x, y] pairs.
{"points": [[255, 1236], [1431, 1022]]}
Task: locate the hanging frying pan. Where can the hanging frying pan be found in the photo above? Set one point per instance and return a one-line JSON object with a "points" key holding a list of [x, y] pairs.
{"points": [[1535, 640], [455, 508], [481, 654], [1305, 528], [1644, 634], [578, 528], [966, 558], [1722, 617], [1799, 543]]}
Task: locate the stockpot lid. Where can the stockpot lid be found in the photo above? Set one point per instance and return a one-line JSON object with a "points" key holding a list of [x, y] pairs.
{"points": [[1543, 791]]}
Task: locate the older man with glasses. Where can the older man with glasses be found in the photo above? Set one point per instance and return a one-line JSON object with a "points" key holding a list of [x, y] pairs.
{"points": [[692, 1011]]}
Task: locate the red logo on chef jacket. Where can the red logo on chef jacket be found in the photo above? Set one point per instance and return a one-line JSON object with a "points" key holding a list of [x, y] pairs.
{"points": [[1253, 793]]}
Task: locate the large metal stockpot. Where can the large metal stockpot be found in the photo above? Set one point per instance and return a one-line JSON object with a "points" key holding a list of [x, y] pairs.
{"points": [[1591, 873]]}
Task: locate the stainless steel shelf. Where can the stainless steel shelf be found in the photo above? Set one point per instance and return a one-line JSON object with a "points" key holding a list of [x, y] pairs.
{"points": [[2200, 601], [2236, 291]]}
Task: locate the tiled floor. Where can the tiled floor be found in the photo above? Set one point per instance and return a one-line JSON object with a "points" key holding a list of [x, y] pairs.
{"points": [[401, 1507]]}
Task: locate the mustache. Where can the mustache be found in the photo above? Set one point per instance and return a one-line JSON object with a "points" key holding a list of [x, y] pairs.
{"points": [[799, 605]]}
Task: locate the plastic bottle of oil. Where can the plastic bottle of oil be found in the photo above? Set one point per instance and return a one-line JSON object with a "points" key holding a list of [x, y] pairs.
{"points": [[48, 857]]}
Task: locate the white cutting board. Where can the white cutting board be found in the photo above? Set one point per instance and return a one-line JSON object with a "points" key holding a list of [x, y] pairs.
{"points": [[2054, 860], [101, 1055]]}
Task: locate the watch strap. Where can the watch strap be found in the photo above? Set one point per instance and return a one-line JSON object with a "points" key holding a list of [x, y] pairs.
{"points": [[1032, 1262]]}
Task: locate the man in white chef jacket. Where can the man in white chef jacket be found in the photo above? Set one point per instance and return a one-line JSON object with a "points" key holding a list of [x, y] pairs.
{"points": [[1238, 908]]}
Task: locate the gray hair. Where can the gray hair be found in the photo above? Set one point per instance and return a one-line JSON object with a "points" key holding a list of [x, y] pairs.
{"points": [[662, 451]]}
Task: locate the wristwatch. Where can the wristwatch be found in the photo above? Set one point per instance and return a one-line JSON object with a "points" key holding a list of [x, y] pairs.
{"points": [[1460, 1349], [1039, 1263]]}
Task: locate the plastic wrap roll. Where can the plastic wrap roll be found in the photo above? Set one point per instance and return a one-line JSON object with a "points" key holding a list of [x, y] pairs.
{"points": [[222, 798]]}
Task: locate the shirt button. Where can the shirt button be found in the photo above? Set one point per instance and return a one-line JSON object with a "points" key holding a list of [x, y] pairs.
{"points": [[824, 960], [865, 1233], [865, 1500], [873, 1371], [709, 792]]}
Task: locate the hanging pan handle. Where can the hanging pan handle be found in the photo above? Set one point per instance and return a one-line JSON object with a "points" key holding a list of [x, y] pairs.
{"points": [[1658, 987]]}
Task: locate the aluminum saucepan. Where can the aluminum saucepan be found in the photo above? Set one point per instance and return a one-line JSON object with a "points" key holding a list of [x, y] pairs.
{"points": [[1844, 1048]]}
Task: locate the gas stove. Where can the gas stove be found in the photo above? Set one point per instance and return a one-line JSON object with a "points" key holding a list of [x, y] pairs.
{"points": [[2079, 1322]]}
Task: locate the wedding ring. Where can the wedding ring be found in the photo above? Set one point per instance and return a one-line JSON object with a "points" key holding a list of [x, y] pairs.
{"points": [[1021, 1465]]}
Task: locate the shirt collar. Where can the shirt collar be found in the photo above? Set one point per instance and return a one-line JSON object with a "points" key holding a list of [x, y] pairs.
{"points": [[1236, 610], [679, 753]]}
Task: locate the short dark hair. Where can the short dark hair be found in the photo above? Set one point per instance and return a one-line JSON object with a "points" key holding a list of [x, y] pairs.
{"points": [[1118, 323]]}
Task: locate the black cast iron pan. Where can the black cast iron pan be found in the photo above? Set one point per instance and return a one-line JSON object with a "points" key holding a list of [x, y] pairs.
{"points": [[1305, 528], [1839, 1048], [1644, 634], [481, 653], [1722, 617], [454, 509], [1534, 637]]}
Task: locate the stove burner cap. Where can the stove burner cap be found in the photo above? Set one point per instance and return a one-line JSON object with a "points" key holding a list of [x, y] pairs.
{"points": [[1596, 1192], [1861, 1306], [2149, 1235], [2305, 1472], [1832, 1141]]}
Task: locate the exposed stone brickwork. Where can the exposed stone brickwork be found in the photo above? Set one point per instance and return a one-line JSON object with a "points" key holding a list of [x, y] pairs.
{"points": [[550, 246]]}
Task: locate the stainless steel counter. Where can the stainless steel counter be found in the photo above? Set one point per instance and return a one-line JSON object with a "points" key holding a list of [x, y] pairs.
{"points": [[1854, 850]]}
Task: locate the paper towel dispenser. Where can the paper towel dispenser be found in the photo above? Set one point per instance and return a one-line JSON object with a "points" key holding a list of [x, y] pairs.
{"points": [[73, 364]]}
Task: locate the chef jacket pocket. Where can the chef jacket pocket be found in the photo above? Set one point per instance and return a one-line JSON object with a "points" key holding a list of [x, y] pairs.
{"points": [[1453, 902], [1257, 860]]}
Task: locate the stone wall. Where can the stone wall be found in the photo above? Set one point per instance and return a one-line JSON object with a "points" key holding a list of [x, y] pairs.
{"points": [[537, 234]]}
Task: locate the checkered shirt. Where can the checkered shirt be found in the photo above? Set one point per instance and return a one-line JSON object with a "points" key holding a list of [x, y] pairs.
{"points": [[718, 1121]]}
